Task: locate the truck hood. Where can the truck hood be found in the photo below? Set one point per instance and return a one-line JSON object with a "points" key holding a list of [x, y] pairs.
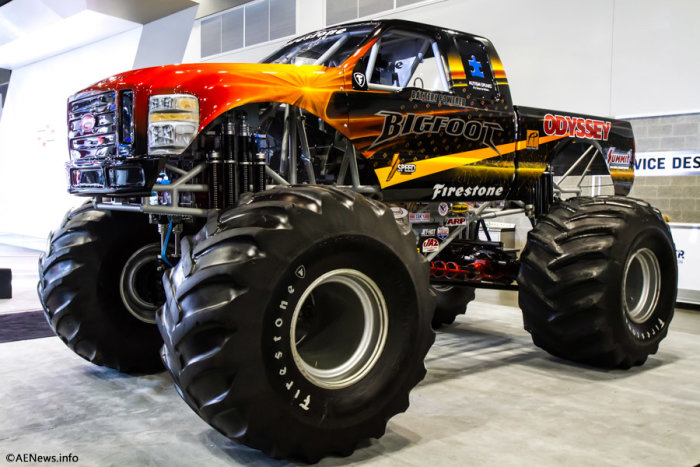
{"points": [[222, 86]]}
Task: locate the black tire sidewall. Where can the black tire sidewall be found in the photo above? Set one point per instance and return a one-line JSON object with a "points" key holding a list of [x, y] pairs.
{"points": [[571, 280], [641, 336], [121, 241], [377, 386], [97, 325], [450, 303]]}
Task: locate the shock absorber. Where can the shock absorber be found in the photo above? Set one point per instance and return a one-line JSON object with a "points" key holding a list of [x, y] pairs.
{"points": [[229, 163], [215, 164], [260, 172], [245, 161]]}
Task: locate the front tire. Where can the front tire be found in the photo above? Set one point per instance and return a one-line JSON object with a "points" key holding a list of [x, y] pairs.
{"points": [[598, 281], [298, 322], [81, 288]]}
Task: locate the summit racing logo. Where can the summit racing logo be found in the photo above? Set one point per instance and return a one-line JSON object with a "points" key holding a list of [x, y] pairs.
{"points": [[397, 125], [617, 158], [576, 126]]}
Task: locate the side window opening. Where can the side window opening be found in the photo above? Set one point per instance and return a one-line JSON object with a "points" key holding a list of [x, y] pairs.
{"points": [[401, 59]]}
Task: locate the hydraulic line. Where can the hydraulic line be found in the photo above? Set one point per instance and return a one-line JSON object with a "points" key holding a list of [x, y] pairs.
{"points": [[165, 244]]}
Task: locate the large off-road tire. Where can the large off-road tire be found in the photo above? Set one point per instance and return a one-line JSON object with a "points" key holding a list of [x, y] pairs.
{"points": [[298, 322], [598, 280], [450, 302], [82, 284]]}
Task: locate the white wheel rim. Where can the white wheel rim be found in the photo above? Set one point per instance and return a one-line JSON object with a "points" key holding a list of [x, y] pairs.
{"points": [[346, 346], [137, 305], [641, 285]]}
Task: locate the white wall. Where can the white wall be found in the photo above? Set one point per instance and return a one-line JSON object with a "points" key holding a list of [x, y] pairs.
{"points": [[163, 41], [606, 57], [602, 57], [556, 53], [33, 148], [656, 60]]}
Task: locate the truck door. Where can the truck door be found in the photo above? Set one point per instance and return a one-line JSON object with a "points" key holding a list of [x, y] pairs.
{"points": [[428, 135]]}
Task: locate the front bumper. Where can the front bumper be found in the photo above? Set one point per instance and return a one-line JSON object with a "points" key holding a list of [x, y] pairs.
{"points": [[134, 176]]}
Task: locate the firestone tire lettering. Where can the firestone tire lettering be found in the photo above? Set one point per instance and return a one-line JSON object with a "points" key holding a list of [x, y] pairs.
{"points": [[571, 282], [231, 303]]}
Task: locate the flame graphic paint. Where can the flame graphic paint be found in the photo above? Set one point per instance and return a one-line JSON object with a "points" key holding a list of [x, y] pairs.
{"points": [[328, 93]]}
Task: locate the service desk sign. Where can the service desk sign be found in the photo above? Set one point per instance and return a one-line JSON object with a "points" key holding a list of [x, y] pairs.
{"points": [[650, 164]]}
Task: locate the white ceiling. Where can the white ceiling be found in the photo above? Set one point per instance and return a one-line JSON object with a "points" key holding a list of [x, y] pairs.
{"points": [[31, 30]]}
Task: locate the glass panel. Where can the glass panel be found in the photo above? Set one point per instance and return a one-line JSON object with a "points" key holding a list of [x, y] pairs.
{"points": [[400, 3], [370, 7], [407, 61], [232, 29], [335, 47], [283, 18], [257, 27], [211, 36], [338, 11]]}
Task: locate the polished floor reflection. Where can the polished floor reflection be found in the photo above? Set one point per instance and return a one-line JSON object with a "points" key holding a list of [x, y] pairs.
{"points": [[490, 398]]}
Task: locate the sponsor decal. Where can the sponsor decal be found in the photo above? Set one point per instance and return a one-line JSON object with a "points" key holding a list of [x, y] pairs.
{"points": [[443, 232], [460, 208], [661, 163], [360, 80], [397, 124], [398, 166], [87, 123], [443, 209], [419, 217], [399, 213], [406, 168], [533, 139], [456, 220], [618, 158], [443, 191], [481, 86], [437, 98], [427, 233], [578, 127], [318, 35], [430, 245], [475, 68]]}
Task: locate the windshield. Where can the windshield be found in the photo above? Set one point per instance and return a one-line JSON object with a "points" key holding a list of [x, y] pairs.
{"points": [[329, 47]]}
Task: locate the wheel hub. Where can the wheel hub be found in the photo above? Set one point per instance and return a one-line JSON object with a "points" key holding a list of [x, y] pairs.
{"points": [[641, 285], [339, 328], [139, 284]]}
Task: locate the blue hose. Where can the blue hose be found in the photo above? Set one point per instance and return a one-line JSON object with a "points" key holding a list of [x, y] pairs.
{"points": [[165, 244]]}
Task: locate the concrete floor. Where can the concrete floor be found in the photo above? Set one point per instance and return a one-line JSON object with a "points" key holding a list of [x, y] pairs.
{"points": [[490, 398]]}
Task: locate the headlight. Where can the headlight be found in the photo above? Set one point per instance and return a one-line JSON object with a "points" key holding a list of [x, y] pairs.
{"points": [[173, 120]]}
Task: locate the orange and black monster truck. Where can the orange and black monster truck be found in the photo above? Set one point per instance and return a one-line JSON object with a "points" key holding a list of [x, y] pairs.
{"points": [[288, 231]]}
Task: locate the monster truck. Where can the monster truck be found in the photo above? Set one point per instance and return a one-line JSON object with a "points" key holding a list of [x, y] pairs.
{"points": [[303, 212]]}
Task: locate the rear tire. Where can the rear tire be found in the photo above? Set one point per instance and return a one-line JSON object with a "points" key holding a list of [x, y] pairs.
{"points": [[451, 301], [80, 277], [298, 322], [598, 281]]}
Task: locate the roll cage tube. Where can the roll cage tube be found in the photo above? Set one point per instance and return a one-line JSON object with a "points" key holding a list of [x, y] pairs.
{"points": [[330, 47], [418, 51]]}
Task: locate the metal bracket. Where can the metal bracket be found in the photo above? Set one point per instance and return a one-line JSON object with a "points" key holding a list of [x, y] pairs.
{"points": [[577, 190], [478, 214], [179, 186]]}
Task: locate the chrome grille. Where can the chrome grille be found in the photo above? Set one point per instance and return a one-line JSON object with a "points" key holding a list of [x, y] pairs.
{"points": [[92, 126]]}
